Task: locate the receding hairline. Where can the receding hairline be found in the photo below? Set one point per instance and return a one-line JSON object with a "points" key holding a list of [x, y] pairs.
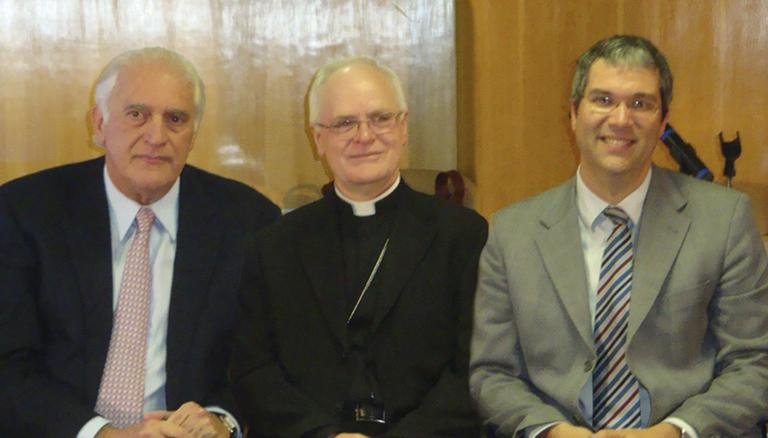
{"points": [[173, 61], [333, 69], [625, 64], [129, 72]]}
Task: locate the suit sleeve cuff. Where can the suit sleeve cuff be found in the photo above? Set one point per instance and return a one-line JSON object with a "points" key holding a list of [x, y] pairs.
{"points": [[92, 427], [686, 430], [323, 432], [217, 410]]}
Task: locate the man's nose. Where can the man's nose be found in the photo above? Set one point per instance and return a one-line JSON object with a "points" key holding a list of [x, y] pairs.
{"points": [[156, 133], [621, 114], [364, 132]]}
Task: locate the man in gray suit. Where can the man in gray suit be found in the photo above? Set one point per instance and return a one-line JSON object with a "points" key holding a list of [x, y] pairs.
{"points": [[630, 301]]}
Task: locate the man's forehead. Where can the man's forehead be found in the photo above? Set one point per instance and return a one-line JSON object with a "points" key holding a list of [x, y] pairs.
{"points": [[145, 84], [603, 72], [619, 66], [349, 91]]}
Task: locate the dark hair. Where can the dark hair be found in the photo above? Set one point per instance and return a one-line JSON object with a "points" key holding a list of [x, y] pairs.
{"points": [[628, 50]]}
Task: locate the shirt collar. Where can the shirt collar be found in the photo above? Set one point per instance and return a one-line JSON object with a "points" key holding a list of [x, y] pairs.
{"points": [[367, 208], [591, 206], [165, 209]]}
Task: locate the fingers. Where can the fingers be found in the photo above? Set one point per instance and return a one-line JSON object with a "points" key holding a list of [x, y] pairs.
{"points": [[198, 422], [155, 428], [186, 412], [565, 430], [157, 415]]}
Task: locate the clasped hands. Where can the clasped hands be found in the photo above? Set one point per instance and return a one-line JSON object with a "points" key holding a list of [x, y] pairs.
{"points": [[661, 430], [189, 421]]}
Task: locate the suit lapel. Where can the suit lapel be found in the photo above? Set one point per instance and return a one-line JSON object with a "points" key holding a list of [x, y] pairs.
{"points": [[662, 231], [197, 246], [560, 249], [322, 257], [412, 234], [87, 233]]}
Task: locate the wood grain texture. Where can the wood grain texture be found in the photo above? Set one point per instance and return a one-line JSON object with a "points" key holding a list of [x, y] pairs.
{"points": [[501, 114], [256, 58], [522, 59]]}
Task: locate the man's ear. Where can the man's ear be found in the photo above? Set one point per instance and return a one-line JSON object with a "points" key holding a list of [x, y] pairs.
{"points": [[664, 122], [405, 127], [97, 122], [574, 108], [316, 133]]}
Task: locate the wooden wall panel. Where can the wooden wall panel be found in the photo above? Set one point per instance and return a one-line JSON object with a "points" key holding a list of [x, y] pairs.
{"points": [[522, 58], [514, 61], [256, 58]]}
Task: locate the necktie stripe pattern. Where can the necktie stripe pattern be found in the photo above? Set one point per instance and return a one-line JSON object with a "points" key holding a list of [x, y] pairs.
{"points": [[121, 394], [616, 392]]}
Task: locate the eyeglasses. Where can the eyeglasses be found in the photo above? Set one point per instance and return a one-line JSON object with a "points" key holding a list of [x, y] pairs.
{"points": [[380, 123], [640, 105]]}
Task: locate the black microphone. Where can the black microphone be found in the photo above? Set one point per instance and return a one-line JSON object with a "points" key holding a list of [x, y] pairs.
{"points": [[685, 155]]}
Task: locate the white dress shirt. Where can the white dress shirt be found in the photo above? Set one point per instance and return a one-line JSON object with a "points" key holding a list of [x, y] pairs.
{"points": [[162, 253]]}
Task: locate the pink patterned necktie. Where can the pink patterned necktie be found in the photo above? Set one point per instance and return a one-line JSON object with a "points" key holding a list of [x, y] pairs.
{"points": [[121, 394], [616, 392]]}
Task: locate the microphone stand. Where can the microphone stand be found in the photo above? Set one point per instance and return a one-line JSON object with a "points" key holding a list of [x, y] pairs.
{"points": [[731, 150]]}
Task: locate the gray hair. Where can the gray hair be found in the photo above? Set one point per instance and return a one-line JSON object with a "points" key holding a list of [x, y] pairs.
{"points": [[105, 83], [624, 50], [326, 71]]}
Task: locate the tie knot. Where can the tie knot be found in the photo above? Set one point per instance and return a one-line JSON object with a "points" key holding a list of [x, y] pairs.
{"points": [[616, 215], [144, 219]]}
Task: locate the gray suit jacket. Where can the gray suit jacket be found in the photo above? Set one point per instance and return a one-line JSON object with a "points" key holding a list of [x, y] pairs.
{"points": [[698, 327]]}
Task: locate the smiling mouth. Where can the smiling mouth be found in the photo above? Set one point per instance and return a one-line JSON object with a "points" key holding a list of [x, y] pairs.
{"points": [[617, 142], [367, 155]]}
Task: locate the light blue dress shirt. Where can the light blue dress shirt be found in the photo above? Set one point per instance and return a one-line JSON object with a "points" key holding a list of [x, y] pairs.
{"points": [[162, 253]]}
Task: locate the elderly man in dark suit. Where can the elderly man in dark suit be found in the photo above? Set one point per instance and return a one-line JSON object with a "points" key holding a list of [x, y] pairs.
{"points": [[104, 318], [631, 301], [357, 308]]}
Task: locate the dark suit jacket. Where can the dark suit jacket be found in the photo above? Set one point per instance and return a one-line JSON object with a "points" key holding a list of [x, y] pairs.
{"points": [[56, 293], [697, 336], [291, 370]]}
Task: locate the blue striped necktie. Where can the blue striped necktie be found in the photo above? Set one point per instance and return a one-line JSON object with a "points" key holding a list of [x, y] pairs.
{"points": [[616, 396]]}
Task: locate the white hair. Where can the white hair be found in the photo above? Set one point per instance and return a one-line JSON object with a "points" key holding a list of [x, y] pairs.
{"points": [[326, 71], [105, 83]]}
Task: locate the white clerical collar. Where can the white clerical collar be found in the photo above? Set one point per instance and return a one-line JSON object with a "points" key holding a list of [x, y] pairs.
{"points": [[367, 208], [124, 208], [591, 206]]}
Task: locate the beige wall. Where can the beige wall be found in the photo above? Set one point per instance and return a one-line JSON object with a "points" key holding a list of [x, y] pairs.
{"points": [[256, 58], [515, 62]]}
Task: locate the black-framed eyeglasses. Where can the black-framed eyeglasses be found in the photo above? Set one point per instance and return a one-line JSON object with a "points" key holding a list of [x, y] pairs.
{"points": [[379, 123]]}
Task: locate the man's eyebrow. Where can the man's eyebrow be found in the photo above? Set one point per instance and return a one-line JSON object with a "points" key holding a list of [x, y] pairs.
{"points": [[177, 111], [647, 95], [638, 94], [373, 113], [136, 106], [345, 116]]}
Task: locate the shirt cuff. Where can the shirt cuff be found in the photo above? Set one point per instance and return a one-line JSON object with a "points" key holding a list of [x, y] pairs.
{"points": [[92, 427], [685, 428], [220, 411], [535, 431]]}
